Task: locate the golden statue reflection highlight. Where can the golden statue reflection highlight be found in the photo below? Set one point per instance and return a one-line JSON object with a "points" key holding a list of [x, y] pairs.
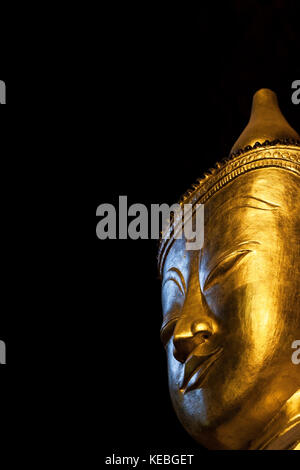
{"points": [[232, 309]]}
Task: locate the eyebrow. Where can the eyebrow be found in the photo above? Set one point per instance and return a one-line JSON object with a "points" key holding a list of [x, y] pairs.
{"points": [[169, 278], [257, 203], [265, 205]]}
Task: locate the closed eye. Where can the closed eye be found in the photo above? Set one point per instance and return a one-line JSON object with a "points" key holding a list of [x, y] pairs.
{"points": [[225, 267], [177, 277], [176, 282]]}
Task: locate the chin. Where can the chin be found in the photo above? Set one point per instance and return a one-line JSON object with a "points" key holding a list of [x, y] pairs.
{"points": [[206, 426]]}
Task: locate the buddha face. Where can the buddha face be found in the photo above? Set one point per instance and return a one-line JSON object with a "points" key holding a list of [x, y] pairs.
{"points": [[231, 311]]}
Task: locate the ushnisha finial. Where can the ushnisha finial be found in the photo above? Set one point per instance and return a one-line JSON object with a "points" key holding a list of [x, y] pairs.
{"points": [[266, 123]]}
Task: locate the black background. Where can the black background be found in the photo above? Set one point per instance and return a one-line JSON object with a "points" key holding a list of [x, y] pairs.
{"points": [[168, 89], [175, 93]]}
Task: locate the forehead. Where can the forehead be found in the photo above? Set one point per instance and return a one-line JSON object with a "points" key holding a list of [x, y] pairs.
{"points": [[254, 207], [271, 185]]}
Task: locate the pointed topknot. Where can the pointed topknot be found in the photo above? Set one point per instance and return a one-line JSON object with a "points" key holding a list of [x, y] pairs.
{"points": [[266, 124]]}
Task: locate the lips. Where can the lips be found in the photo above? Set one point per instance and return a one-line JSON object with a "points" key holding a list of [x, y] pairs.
{"points": [[196, 369]]}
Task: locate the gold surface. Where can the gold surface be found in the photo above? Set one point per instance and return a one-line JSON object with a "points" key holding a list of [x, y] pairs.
{"points": [[231, 310]]}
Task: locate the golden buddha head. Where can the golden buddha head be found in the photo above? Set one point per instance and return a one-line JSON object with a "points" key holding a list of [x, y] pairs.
{"points": [[231, 310]]}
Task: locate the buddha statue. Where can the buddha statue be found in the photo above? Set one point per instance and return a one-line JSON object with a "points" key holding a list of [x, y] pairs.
{"points": [[231, 310]]}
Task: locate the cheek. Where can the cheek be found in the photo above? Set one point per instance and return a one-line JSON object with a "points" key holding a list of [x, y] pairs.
{"points": [[174, 369], [248, 305], [250, 335]]}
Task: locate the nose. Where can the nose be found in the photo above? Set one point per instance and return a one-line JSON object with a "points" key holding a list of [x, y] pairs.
{"points": [[189, 334]]}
